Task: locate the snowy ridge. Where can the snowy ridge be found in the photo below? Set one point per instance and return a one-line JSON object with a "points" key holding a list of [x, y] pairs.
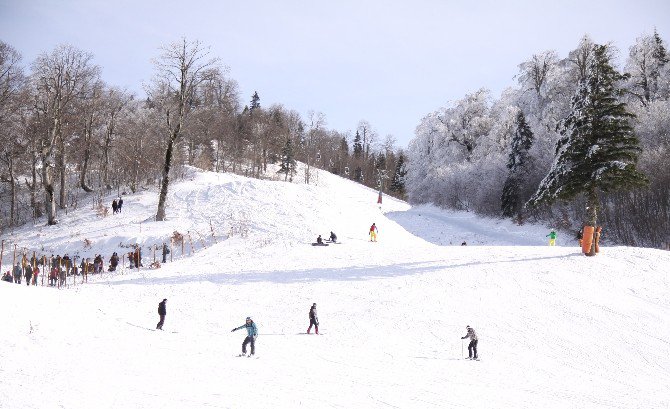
{"points": [[556, 329]]}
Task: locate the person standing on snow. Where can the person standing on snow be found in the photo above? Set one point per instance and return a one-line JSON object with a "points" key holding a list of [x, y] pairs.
{"points": [[161, 313], [313, 320], [552, 237], [373, 232], [472, 347], [252, 333]]}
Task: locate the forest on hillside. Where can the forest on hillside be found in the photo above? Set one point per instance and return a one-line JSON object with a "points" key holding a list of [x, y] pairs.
{"points": [[64, 131], [576, 141], [574, 137]]}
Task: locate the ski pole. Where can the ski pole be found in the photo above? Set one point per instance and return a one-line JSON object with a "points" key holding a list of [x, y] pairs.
{"points": [[462, 348]]}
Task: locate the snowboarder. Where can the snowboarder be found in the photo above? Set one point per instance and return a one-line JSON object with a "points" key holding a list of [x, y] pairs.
{"points": [[161, 313], [319, 240], [115, 206], [333, 237], [252, 333], [552, 237], [373, 232], [313, 320], [472, 347]]}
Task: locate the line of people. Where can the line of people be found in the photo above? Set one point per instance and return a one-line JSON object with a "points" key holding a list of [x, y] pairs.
{"points": [[117, 205]]}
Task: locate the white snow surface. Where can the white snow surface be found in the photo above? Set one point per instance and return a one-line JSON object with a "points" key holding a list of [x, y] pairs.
{"points": [[556, 329]]}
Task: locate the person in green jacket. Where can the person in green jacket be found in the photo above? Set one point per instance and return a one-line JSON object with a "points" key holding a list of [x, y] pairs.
{"points": [[252, 333], [552, 238]]}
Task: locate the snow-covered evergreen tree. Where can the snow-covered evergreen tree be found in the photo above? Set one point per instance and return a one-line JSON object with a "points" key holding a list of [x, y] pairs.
{"points": [[522, 141], [398, 180], [598, 149]]}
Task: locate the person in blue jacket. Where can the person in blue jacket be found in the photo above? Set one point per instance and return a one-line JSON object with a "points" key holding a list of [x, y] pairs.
{"points": [[252, 333]]}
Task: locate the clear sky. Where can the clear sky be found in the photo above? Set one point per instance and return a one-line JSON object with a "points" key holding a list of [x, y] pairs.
{"points": [[389, 62]]}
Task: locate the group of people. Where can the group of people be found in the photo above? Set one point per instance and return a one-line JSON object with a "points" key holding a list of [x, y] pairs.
{"points": [[252, 330], [117, 204], [580, 237], [331, 239]]}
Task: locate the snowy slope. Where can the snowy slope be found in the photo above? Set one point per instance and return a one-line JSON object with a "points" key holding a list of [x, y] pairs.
{"points": [[556, 329]]}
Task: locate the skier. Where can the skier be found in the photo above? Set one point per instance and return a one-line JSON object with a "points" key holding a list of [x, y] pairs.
{"points": [[319, 240], [472, 347], [373, 232], [552, 237], [313, 320], [161, 313], [252, 333], [333, 237]]}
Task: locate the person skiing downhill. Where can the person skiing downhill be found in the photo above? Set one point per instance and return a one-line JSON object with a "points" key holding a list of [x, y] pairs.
{"points": [[313, 320], [472, 347], [252, 333], [373, 232], [161, 314], [552, 237]]}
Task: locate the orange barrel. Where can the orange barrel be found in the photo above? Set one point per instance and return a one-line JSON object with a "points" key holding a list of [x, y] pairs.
{"points": [[587, 239]]}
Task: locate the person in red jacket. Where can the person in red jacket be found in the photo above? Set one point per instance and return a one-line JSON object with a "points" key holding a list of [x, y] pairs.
{"points": [[373, 232]]}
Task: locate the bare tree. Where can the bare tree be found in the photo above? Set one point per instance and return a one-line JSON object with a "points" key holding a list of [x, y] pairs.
{"points": [[180, 69], [59, 79]]}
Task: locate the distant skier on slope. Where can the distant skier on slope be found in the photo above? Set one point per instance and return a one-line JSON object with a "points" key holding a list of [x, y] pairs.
{"points": [[313, 320], [472, 347], [552, 237], [373, 232], [252, 333], [161, 313]]}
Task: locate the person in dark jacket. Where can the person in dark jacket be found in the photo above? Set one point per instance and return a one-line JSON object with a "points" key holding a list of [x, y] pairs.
{"points": [[252, 333], [313, 320], [319, 240], [161, 313], [18, 272], [28, 273], [120, 205], [472, 347], [333, 237], [166, 251], [115, 206]]}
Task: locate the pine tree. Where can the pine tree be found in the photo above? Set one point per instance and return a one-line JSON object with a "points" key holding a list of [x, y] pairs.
{"points": [[511, 202], [660, 58], [255, 102], [398, 180], [597, 150], [288, 162], [358, 146]]}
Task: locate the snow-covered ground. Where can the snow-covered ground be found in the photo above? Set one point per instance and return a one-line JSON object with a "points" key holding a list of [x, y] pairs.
{"points": [[557, 329]]}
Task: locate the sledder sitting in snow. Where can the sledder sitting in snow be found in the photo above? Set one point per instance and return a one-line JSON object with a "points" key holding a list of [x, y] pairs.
{"points": [[252, 333], [319, 240], [473, 342]]}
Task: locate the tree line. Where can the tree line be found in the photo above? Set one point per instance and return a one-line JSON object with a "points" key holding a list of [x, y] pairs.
{"points": [[64, 131], [577, 142]]}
